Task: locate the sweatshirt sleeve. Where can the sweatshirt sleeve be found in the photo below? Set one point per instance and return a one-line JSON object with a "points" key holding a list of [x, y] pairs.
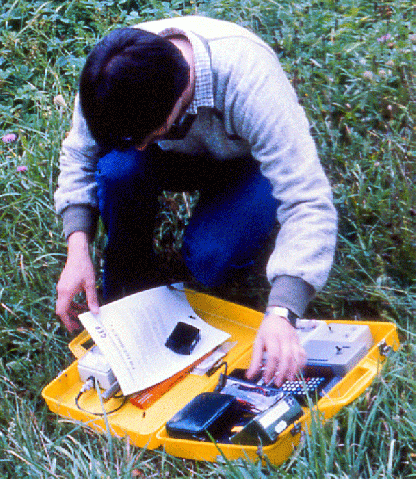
{"points": [[261, 107], [76, 194]]}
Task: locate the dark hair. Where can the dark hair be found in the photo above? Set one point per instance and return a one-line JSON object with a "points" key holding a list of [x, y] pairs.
{"points": [[129, 86]]}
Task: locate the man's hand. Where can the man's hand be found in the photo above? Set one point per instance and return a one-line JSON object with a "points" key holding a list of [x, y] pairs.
{"points": [[285, 356], [77, 276]]}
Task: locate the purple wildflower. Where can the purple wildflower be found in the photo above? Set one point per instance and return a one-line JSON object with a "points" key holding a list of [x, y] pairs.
{"points": [[384, 38], [9, 138], [21, 168]]}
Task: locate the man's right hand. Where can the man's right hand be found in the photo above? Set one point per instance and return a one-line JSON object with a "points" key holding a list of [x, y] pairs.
{"points": [[77, 276]]}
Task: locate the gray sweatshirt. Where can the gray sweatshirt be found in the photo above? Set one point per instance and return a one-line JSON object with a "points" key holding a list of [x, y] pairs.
{"points": [[244, 105]]}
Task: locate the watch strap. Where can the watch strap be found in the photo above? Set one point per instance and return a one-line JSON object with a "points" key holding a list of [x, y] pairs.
{"points": [[283, 313]]}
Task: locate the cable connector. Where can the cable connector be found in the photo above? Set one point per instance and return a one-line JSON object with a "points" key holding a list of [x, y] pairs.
{"points": [[111, 391], [89, 384], [94, 363]]}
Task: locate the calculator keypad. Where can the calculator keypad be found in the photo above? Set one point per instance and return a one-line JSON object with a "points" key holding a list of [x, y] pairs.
{"points": [[301, 389]]}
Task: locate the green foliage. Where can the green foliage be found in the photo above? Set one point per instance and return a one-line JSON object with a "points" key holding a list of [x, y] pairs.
{"points": [[353, 66]]}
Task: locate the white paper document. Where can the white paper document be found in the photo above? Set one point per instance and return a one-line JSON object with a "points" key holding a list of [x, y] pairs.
{"points": [[131, 333]]}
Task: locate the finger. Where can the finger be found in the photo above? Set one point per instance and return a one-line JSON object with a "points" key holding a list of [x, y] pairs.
{"points": [[272, 363], [292, 365], [292, 368], [302, 358], [256, 359], [62, 308], [65, 310], [92, 299], [296, 363], [64, 298], [299, 357], [286, 369], [280, 378]]}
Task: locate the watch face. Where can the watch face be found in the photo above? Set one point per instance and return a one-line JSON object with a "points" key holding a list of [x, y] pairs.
{"points": [[279, 311], [283, 313]]}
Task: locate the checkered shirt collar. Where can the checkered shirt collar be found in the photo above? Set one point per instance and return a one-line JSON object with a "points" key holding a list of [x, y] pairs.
{"points": [[203, 95]]}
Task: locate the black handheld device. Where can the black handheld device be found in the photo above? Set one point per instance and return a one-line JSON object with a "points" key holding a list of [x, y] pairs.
{"points": [[183, 338]]}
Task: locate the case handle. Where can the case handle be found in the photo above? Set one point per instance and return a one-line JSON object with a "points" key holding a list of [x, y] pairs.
{"points": [[360, 379], [76, 345]]}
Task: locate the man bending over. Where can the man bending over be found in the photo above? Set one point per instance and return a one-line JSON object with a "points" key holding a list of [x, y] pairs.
{"points": [[184, 104]]}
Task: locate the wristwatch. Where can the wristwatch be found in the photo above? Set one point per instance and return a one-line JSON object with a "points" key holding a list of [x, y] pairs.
{"points": [[283, 313]]}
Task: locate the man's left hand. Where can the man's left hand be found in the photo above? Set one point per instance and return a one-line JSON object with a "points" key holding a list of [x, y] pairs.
{"points": [[285, 355]]}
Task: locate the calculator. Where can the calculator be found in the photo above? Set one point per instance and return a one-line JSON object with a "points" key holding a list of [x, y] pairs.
{"points": [[311, 386], [302, 389]]}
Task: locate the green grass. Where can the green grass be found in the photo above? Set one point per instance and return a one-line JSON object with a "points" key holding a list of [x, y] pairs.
{"points": [[353, 66]]}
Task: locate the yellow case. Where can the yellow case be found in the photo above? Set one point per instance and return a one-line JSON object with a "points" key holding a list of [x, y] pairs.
{"points": [[146, 428]]}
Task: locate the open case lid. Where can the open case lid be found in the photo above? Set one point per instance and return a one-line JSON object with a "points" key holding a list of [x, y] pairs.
{"points": [[141, 425], [146, 427]]}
